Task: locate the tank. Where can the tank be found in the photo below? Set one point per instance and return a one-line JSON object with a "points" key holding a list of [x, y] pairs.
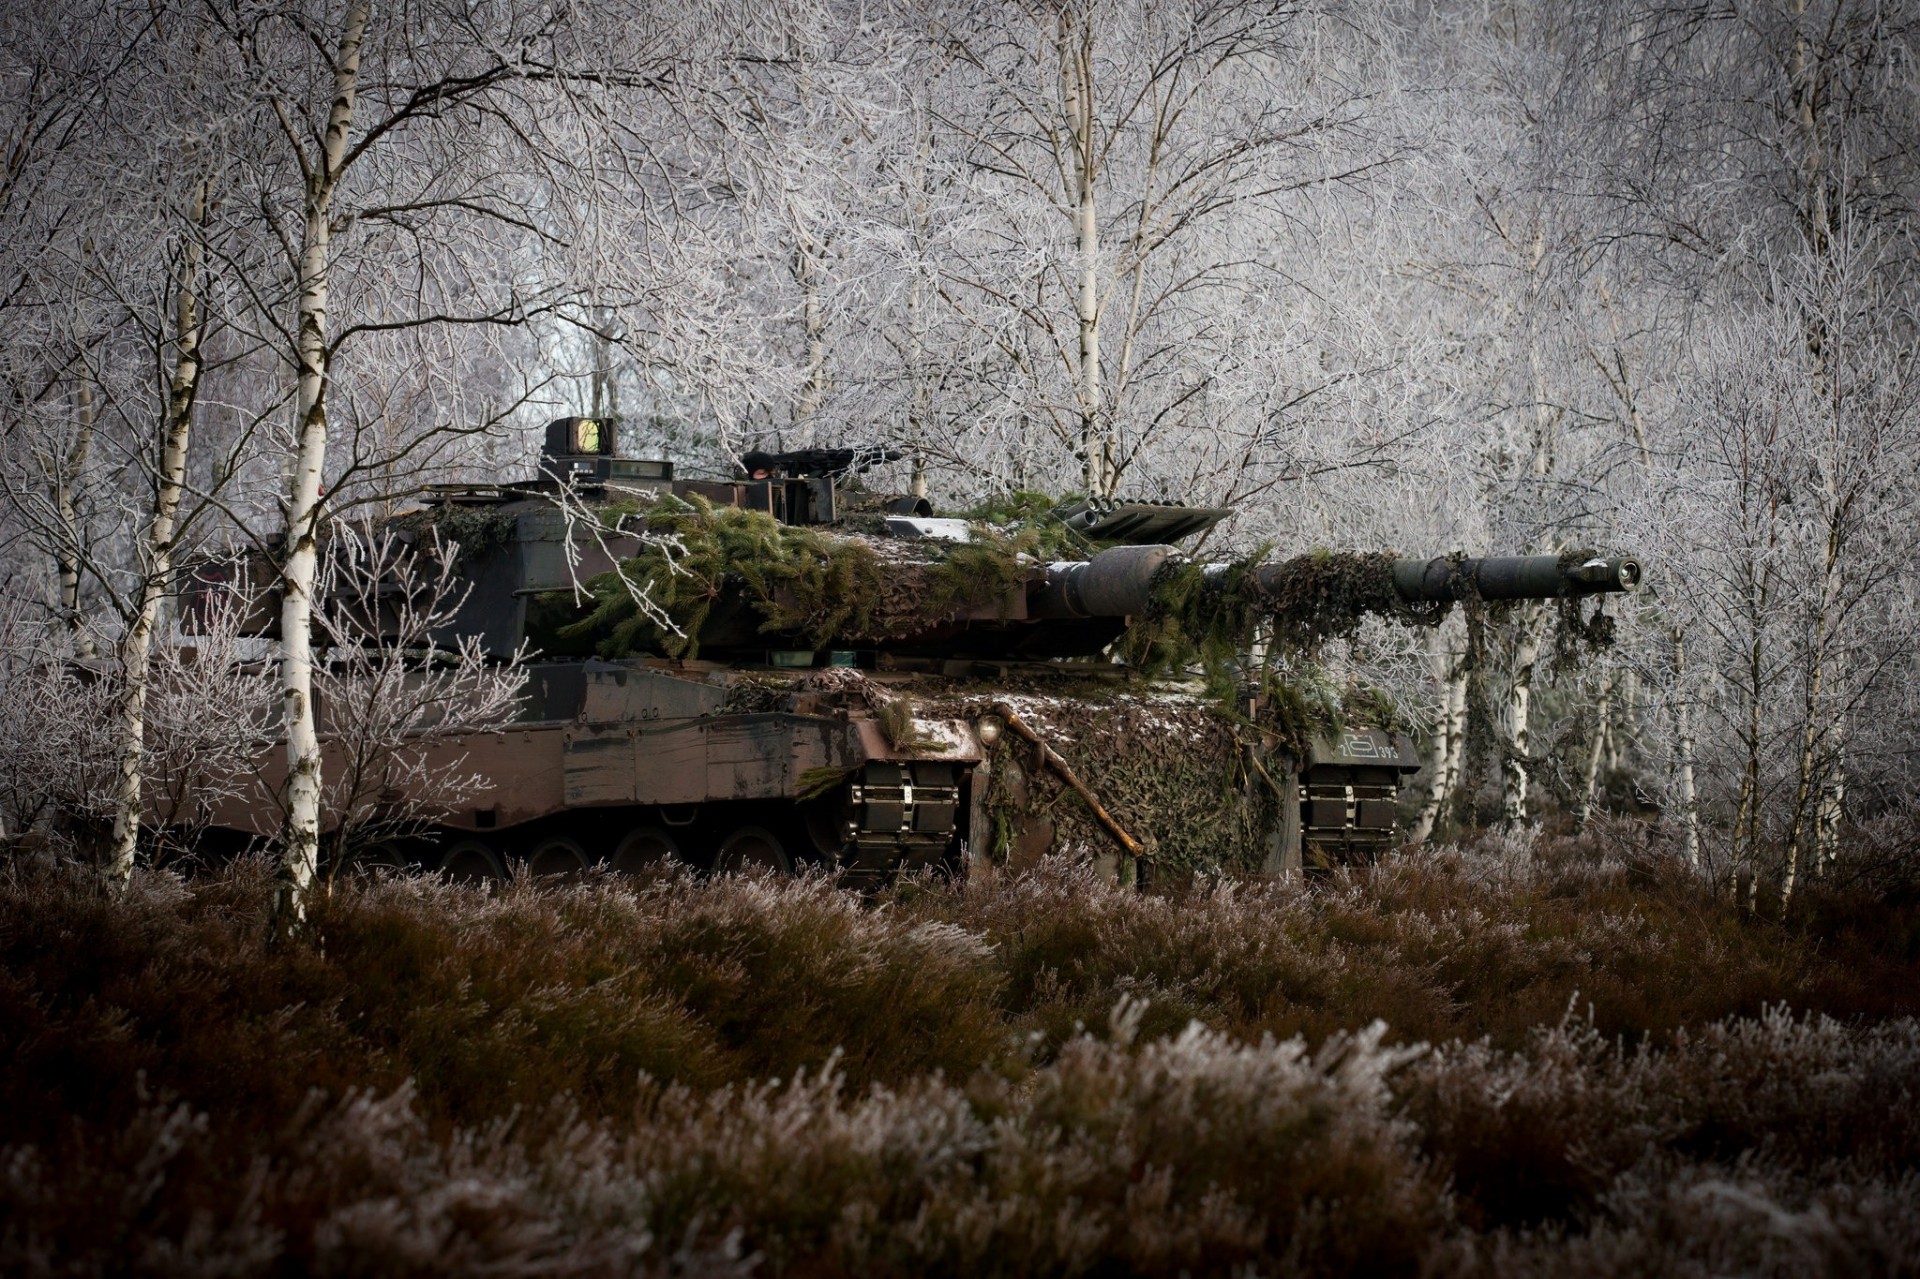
{"points": [[836, 677]]}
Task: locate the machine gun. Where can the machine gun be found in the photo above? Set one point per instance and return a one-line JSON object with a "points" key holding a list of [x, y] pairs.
{"points": [[831, 464]]}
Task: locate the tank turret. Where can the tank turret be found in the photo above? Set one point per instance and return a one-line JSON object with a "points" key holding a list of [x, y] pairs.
{"points": [[955, 593]]}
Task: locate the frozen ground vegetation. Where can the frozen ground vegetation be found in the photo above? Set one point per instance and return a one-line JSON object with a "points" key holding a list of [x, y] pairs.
{"points": [[1566, 1057]]}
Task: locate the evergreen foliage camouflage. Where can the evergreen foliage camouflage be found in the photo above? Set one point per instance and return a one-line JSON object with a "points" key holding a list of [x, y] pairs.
{"points": [[476, 530], [799, 581], [1198, 618], [1033, 515], [823, 586], [1325, 594]]}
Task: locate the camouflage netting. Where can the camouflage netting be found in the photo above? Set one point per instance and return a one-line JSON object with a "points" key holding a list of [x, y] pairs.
{"points": [[800, 582], [1326, 594], [1197, 619], [1178, 769], [1208, 616], [1173, 769], [477, 529], [1577, 637]]}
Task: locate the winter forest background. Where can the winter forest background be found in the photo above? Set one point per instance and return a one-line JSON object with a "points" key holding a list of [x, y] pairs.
{"points": [[1492, 277]]}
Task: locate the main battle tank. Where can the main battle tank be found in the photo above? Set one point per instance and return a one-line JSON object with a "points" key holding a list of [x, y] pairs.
{"points": [[822, 675]]}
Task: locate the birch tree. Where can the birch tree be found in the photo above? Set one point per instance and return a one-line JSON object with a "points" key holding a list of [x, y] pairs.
{"points": [[1754, 157], [1133, 153], [121, 290], [157, 553], [322, 165], [360, 99]]}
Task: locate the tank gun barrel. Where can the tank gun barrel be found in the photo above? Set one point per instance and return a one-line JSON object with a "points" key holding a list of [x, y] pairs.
{"points": [[1511, 577], [1119, 582]]}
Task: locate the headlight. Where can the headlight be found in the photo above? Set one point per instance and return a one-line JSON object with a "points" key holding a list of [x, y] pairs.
{"points": [[988, 727]]}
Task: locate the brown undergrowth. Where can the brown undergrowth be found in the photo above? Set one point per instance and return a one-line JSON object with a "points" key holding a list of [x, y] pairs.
{"points": [[1564, 1057]]}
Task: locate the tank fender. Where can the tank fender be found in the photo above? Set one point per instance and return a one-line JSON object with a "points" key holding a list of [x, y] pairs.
{"points": [[1348, 746], [944, 739], [750, 756], [621, 692]]}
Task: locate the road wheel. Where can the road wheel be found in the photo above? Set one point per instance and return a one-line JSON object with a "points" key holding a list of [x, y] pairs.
{"points": [[472, 861], [556, 855], [752, 848], [825, 821], [645, 848]]}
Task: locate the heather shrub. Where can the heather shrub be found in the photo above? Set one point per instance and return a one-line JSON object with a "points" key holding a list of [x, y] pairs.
{"points": [[789, 972], [1252, 959], [1189, 1154], [1522, 1056], [1693, 1220], [491, 1003], [356, 1186], [165, 991], [1542, 1134], [1494, 940]]}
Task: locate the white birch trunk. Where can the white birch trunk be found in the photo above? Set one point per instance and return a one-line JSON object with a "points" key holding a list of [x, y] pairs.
{"points": [[813, 316], [919, 408], [1815, 216], [1450, 732], [1746, 820], [1804, 799], [1831, 807], [136, 645], [1683, 730], [300, 855], [1602, 731], [1530, 623], [1076, 71], [1515, 768], [1626, 714], [604, 381], [1818, 223]]}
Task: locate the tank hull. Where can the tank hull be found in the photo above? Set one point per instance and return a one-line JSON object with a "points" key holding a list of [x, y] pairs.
{"points": [[870, 774], [820, 766]]}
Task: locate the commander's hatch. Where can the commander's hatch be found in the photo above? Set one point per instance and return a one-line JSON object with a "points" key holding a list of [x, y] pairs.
{"points": [[1108, 519]]}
